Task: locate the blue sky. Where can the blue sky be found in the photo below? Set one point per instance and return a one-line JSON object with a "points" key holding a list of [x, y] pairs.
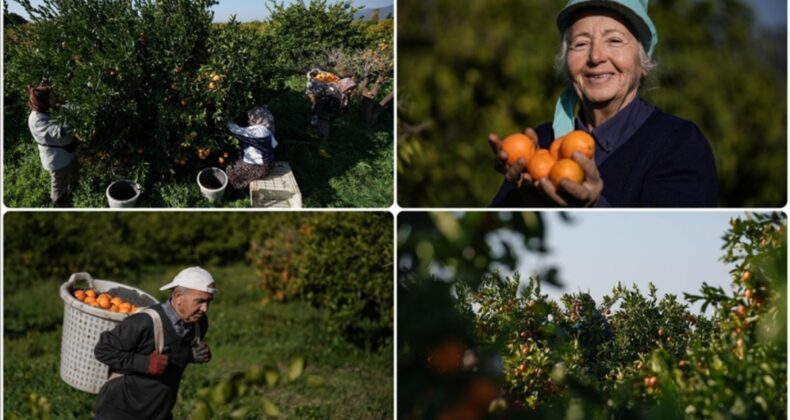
{"points": [[245, 10], [677, 251]]}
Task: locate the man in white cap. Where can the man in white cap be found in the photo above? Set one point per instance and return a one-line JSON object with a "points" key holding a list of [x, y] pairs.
{"points": [[147, 360]]}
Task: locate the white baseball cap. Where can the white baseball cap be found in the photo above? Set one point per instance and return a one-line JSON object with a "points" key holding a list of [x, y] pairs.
{"points": [[194, 278]]}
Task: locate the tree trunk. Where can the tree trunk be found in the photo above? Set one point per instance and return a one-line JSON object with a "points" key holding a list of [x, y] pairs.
{"points": [[371, 110]]}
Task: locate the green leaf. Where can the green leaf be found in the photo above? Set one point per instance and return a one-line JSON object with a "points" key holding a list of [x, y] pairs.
{"points": [[268, 407], [296, 368], [314, 380], [272, 376]]}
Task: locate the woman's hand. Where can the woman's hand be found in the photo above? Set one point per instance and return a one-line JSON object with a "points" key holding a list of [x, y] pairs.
{"points": [[570, 193], [516, 173]]}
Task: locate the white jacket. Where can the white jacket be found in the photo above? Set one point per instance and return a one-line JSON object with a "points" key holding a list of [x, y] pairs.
{"points": [[253, 132], [47, 132]]}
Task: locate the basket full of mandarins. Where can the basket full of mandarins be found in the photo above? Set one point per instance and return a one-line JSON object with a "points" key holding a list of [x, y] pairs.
{"points": [[89, 312]]}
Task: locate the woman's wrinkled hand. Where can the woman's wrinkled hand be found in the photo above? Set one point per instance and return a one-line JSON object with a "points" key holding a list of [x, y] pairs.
{"points": [[570, 193], [516, 173]]}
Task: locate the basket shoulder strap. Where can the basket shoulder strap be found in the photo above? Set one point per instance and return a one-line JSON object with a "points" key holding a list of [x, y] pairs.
{"points": [[159, 337]]}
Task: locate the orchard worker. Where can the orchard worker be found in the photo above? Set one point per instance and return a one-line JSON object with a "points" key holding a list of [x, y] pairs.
{"points": [[329, 95], [144, 381], [644, 157], [256, 156], [56, 146]]}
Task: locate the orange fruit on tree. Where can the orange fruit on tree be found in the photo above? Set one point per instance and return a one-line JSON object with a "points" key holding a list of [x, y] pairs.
{"points": [[746, 276], [554, 149], [212, 85], [79, 294], [577, 141], [518, 146], [566, 169], [539, 166]]}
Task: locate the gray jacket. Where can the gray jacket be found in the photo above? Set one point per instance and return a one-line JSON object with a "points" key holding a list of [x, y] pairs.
{"points": [[48, 133]]}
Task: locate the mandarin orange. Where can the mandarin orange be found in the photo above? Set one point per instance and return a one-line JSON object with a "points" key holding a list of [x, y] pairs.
{"points": [[540, 165], [577, 141], [566, 169], [518, 146]]}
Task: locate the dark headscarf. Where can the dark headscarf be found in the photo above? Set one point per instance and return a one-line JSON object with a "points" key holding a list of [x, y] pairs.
{"points": [[38, 98]]}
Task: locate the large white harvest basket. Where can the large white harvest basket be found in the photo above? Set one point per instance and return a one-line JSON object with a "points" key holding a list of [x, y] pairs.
{"points": [[82, 325]]}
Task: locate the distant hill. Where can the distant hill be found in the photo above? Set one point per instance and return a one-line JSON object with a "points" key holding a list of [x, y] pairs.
{"points": [[13, 19], [384, 12]]}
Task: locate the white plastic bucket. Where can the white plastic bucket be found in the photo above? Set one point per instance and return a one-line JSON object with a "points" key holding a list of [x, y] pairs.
{"points": [[212, 183], [123, 194]]}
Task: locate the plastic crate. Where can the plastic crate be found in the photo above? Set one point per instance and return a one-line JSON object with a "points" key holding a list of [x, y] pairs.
{"points": [[278, 190]]}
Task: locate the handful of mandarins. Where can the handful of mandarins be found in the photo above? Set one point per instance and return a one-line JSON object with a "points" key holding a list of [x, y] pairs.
{"points": [[556, 163], [104, 301], [326, 77]]}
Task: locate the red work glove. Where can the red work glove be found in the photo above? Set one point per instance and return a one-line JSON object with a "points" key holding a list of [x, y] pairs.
{"points": [[157, 362]]}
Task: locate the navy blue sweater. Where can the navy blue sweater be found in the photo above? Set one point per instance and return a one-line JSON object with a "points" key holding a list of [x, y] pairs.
{"points": [[666, 163]]}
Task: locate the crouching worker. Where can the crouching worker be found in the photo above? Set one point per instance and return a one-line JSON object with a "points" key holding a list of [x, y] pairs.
{"points": [[148, 351], [256, 157], [56, 146]]}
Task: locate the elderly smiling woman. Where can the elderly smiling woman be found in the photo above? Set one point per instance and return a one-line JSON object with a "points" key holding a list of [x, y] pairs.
{"points": [[644, 157]]}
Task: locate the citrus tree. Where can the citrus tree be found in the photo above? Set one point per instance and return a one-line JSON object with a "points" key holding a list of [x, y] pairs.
{"points": [[326, 260], [147, 84], [301, 30], [631, 355]]}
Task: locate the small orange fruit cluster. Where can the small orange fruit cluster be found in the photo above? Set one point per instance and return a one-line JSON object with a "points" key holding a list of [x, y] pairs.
{"points": [[556, 163], [326, 77], [203, 153], [104, 301]]}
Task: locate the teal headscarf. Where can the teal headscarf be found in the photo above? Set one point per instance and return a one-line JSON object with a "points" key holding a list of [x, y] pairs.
{"points": [[635, 13]]}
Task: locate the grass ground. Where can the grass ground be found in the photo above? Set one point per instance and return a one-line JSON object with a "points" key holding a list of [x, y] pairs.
{"points": [[354, 168], [345, 382]]}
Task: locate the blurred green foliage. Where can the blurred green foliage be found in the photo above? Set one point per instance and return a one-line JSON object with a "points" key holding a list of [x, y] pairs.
{"points": [[43, 246], [342, 262], [464, 246], [472, 68]]}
